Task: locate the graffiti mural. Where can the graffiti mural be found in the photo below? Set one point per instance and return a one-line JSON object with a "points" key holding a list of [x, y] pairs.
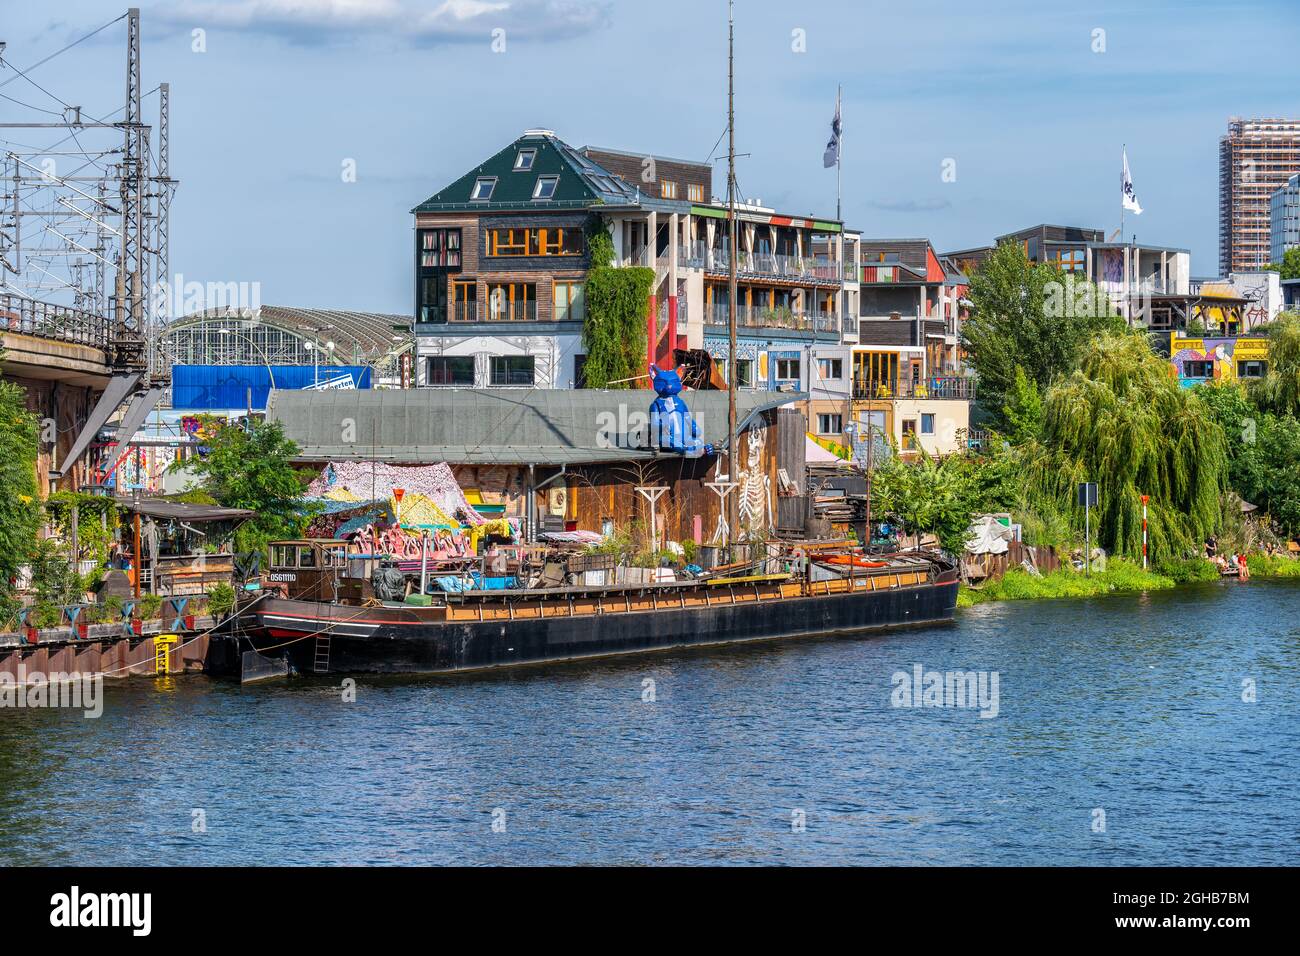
{"points": [[755, 490], [1218, 360]]}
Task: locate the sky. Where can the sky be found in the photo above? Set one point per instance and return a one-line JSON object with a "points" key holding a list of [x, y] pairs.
{"points": [[1025, 105]]}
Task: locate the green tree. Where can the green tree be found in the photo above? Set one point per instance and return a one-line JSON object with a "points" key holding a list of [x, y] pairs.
{"points": [[614, 331], [1279, 389], [253, 469], [1121, 420], [1290, 264], [1023, 411], [20, 506], [1031, 317], [929, 496], [1263, 453]]}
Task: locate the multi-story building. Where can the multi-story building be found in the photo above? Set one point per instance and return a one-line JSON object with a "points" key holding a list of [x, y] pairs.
{"points": [[1256, 157], [1133, 276], [908, 377], [502, 258], [1284, 219]]}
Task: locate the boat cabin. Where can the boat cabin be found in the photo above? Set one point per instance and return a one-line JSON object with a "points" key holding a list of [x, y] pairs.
{"points": [[312, 569]]}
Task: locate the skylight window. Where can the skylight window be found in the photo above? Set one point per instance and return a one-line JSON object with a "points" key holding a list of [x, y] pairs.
{"points": [[483, 187], [524, 160], [545, 187]]}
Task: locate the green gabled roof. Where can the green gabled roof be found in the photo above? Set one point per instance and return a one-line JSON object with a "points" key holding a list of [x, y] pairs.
{"points": [[582, 182]]}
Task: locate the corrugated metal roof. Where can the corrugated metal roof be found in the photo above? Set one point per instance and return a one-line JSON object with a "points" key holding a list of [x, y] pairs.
{"points": [[492, 425]]}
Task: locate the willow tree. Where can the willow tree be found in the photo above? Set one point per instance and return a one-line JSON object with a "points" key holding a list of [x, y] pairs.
{"points": [[1121, 420]]}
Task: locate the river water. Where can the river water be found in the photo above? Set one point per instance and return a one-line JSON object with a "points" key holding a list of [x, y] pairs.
{"points": [[1121, 737]]}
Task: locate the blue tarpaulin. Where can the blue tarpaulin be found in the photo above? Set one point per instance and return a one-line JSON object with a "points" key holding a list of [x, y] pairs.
{"points": [[217, 387]]}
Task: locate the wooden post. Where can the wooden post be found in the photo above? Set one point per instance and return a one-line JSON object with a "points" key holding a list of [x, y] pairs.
{"points": [[138, 567]]}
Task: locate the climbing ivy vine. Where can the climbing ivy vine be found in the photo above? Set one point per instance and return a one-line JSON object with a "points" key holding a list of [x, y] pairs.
{"points": [[614, 333]]}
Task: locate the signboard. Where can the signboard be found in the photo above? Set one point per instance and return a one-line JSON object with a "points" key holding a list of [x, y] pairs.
{"points": [[1087, 494]]}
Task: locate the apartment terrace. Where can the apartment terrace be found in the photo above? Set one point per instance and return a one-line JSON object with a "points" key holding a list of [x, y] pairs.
{"points": [[956, 388], [770, 265], [754, 317]]}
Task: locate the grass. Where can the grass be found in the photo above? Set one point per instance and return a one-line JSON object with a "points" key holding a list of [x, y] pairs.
{"points": [[1019, 585], [1263, 566], [1120, 575]]}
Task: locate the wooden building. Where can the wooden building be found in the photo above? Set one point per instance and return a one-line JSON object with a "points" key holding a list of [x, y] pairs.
{"points": [[566, 460]]}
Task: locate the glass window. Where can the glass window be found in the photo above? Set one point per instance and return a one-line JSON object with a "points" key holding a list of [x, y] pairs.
{"points": [[512, 302], [570, 302], [830, 424], [512, 370], [1198, 369], [433, 299], [695, 192], [439, 248], [927, 423], [787, 368], [1252, 368], [483, 187], [306, 556], [456, 370], [667, 189], [830, 368], [744, 373], [464, 305], [524, 160], [551, 241], [545, 187], [283, 556]]}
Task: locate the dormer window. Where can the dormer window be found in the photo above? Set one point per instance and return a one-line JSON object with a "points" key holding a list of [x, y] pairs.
{"points": [[524, 160], [545, 187], [483, 187]]}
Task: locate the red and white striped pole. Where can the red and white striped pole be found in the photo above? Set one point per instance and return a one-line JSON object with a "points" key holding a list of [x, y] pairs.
{"points": [[1144, 532]]}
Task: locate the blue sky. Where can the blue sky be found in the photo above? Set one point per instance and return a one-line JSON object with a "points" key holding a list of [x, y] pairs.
{"points": [[412, 91]]}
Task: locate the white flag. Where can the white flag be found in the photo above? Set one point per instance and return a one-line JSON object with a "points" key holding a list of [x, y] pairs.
{"points": [[1130, 198], [832, 154]]}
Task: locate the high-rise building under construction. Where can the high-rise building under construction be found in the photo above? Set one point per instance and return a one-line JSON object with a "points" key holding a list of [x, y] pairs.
{"points": [[1255, 158]]}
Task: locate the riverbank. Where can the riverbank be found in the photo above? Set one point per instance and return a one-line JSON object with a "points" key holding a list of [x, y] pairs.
{"points": [[1120, 575]]}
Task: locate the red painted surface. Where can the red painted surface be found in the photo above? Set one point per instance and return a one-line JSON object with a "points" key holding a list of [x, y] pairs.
{"points": [[651, 343], [670, 340]]}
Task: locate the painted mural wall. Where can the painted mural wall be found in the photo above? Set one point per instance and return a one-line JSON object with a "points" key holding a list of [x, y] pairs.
{"points": [[1202, 360]]}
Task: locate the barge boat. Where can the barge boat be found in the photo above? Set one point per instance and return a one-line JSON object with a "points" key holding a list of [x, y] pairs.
{"points": [[321, 622]]}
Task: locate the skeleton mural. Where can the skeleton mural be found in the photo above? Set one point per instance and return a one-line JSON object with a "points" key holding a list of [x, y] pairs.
{"points": [[755, 491]]}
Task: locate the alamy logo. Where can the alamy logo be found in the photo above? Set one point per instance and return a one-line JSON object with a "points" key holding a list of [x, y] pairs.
{"points": [[966, 689], [76, 909], [35, 690]]}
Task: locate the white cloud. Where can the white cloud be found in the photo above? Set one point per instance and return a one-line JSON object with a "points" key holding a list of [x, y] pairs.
{"points": [[420, 22]]}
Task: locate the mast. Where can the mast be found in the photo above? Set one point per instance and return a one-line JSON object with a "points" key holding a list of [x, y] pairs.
{"points": [[732, 460]]}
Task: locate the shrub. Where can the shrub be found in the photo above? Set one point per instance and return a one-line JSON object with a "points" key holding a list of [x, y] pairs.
{"points": [[1266, 566], [45, 614], [1186, 572], [149, 606], [221, 599]]}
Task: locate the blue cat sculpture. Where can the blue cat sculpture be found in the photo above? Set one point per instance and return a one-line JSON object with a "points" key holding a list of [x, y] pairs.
{"points": [[672, 426]]}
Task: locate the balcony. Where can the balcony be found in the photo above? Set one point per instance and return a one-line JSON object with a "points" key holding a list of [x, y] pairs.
{"points": [[817, 269], [749, 317], [943, 387]]}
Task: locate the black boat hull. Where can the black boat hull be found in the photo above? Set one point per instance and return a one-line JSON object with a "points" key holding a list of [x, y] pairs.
{"points": [[397, 641]]}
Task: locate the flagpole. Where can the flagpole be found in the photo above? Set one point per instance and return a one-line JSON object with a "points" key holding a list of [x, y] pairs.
{"points": [[1123, 152], [839, 158]]}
